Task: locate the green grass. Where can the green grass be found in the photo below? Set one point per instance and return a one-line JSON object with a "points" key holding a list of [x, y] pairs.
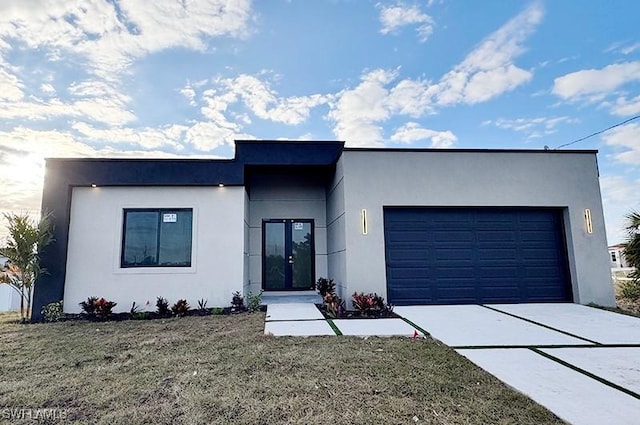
{"points": [[222, 369]]}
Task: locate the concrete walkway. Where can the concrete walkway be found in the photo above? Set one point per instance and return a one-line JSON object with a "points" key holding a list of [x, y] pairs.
{"points": [[304, 319], [579, 362]]}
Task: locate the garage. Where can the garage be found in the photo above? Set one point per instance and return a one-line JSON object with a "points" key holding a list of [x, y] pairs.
{"points": [[475, 255]]}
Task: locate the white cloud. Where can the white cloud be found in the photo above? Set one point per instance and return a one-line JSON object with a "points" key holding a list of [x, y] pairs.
{"points": [[10, 87], [206, 136], [623, 47], [113, 35], [626, 107], [485, 73], [412, 97], [103, 39], [189, 93], [47, 88], [261, 99], [488, 70], [148, 138], [393, 18], [627, 50], [626, 140], [357, 111], [594, 84], [412, 132], [533, 127]]}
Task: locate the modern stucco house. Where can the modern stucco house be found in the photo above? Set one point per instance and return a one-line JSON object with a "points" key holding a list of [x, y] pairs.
{"points": [[419, 226], [617, 260]]}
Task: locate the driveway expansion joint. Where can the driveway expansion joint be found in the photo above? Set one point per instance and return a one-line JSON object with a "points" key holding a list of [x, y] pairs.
{"points": [[586, 373], [541, 325]]}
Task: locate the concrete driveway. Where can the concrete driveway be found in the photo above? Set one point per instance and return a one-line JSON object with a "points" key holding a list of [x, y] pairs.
{"points": [[580, 362]]}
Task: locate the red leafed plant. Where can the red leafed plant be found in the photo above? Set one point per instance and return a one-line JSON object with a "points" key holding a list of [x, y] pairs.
{"points": [[367, 302], [102, 307], [334, 305]]}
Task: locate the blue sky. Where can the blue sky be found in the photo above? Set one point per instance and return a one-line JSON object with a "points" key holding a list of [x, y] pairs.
{"points": [[125, 78]]}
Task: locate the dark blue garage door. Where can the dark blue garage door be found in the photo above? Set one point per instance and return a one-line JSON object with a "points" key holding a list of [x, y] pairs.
{"points": [[475, 256]]}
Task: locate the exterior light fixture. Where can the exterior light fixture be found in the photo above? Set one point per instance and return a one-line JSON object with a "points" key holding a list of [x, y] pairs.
{"points": [[587, 221], [94, 185], [220, 184], [363, 221]]}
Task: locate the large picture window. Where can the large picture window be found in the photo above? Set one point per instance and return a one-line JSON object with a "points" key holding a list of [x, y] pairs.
{"points": [[157, 237]]}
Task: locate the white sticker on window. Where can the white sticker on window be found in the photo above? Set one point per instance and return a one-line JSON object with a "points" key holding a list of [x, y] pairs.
{"points": [[298, 226], [169, 218]]}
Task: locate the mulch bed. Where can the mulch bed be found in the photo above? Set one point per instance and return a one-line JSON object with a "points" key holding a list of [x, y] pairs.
{"points": [[357, 314], [152, 315]]}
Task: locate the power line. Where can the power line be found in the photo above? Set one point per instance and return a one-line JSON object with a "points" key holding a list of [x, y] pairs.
{"points": [[599, 132]]}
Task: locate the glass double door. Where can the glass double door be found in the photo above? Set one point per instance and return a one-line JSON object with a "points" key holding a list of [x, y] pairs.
{"points": [[288, 255]]}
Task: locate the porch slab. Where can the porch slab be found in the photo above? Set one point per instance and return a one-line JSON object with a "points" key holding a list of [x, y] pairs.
{"points": [[573, 396], [291, 297], [597, 325], [298, 328], [474, 325], [374, 327], [618, 365], [293, 311]]}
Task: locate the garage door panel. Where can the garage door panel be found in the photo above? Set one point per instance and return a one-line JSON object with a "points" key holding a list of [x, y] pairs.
{"points": [[458, 235], [453, 273], [497, 254], [476, 255], [443, 254], [488, 235]]}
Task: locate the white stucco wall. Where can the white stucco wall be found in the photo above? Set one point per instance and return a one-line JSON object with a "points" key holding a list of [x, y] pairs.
{"points": [[95, 237], [373, 180]]}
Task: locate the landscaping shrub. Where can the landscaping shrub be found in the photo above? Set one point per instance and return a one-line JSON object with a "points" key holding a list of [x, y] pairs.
{"points": [[162, 307], [237, 301], [334, 305], [325, 287], [180, 308], [135, 309], [89, 306], [103, 307], [368, 303], [254, 301], [364, 302], [202, 306], [52, 312]]}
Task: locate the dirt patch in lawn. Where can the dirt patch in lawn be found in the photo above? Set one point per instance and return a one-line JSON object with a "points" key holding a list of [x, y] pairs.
{"points": [[223, 369]]}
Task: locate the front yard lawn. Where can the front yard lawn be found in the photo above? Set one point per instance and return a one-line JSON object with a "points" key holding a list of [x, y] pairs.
{"points": [[222, 369]]}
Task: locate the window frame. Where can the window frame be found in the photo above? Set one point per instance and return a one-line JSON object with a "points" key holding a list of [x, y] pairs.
{"points": [[160, 212]]}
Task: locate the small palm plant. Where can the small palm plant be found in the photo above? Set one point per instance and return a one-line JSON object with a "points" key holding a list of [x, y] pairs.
{"points": [[24, 244], [631, 289]]}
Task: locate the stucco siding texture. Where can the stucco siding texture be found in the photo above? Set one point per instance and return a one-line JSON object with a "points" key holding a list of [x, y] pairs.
{"points": [[336, 238], [377, 179], [284, 196], [95, 243]]}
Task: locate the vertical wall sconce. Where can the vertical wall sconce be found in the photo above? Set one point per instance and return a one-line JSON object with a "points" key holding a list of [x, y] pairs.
{"points": [[363, 221], [587, 221]]}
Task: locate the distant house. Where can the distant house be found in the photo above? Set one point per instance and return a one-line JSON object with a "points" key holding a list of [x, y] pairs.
{"points": [[417, 226], [9, 297], [617, 259]]}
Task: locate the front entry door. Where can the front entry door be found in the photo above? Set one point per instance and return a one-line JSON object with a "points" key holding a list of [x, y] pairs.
{"points": [[287, 255]]}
